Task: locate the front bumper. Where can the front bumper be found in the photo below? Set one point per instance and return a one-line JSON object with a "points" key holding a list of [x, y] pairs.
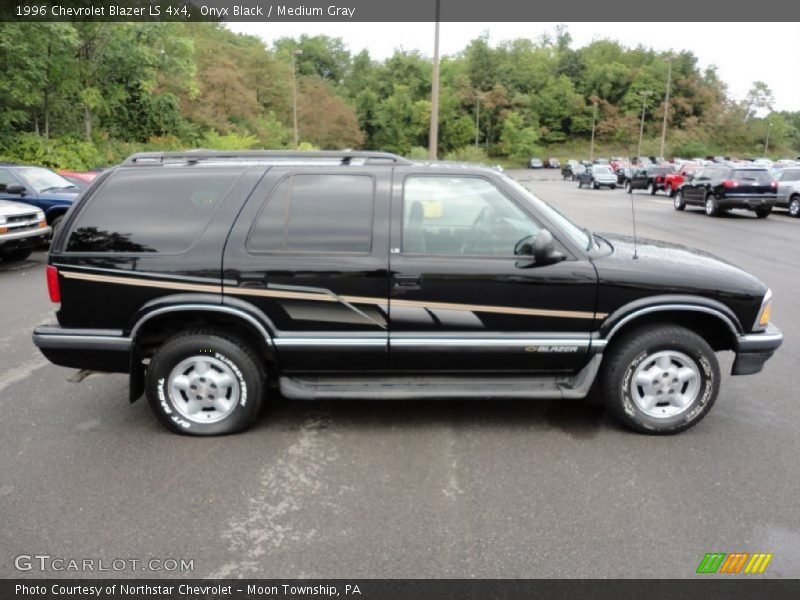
{"points": [[27, 238], [754, 349], [91, 349]]}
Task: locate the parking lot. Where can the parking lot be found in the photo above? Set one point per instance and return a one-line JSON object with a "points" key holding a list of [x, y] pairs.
{"points": [[479, 489]]}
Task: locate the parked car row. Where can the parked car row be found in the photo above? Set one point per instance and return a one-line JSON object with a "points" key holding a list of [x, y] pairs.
{"points": [[547, 163]]}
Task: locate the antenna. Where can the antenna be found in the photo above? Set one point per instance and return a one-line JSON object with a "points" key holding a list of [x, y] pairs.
{"points": [[633, 218]]}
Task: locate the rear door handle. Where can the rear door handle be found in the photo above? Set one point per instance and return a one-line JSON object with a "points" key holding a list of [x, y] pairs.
{"points": [[408, 282]]}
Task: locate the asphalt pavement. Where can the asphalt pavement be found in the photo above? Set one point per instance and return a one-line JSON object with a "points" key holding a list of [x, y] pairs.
{"points": [[438, 489]]}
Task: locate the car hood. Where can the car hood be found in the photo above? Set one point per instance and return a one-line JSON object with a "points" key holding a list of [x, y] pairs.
{"points": [[667, 268], [69, 196], [9, 208]]}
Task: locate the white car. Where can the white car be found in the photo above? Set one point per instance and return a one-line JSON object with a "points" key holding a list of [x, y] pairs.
{"points": [[22, 228]]}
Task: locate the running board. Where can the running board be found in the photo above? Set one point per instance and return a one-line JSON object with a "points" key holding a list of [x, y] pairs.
{"points": [[437, 387]]}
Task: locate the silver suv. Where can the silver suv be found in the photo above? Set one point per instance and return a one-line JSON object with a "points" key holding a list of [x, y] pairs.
{"points": [[22, 228], [789, 189]]}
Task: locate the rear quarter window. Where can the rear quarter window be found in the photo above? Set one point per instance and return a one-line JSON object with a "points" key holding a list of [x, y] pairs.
{"points": [[142, 212]]}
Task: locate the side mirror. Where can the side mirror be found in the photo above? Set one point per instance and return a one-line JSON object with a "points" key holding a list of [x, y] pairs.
{"points": [[15, 189], [541, 248]]}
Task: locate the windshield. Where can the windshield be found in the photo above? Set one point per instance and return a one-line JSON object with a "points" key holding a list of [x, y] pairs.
{"points": [[602, 171], [576, 234], [43, 179]]}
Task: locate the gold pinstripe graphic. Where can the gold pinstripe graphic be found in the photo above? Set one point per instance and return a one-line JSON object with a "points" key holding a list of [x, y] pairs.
{"points": [[318, 297]]}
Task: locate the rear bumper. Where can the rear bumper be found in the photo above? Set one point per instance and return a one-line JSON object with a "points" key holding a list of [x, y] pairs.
{"points": [[93, 349], [754, 201], [754, 349]]}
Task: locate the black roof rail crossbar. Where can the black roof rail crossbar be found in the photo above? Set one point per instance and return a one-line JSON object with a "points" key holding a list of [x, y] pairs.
{"points": [[151, 158]]}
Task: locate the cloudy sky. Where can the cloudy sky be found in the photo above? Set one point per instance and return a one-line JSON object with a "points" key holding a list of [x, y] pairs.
{"points": [[743, 52]]}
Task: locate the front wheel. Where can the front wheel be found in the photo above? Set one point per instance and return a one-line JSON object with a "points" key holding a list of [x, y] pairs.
{"points": [[613, 187], [16, 255], [205, 383], [670, 191], [794, 207], [651, 189], [660, 379], [628, 187], [678, 202], [580, 183], [594, 185]]}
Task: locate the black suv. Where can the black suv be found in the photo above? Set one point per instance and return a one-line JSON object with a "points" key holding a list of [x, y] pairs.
{"points": [[651, 179], [720, 188], [209, 276]]}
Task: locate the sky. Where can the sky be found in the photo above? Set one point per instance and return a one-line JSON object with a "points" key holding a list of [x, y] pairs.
{"points": [[742, 52]]}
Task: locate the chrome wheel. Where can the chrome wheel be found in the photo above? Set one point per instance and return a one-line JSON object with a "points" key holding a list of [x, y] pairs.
{"points": [[665, 384], [794, 207], [711, 206], [203, 389]]}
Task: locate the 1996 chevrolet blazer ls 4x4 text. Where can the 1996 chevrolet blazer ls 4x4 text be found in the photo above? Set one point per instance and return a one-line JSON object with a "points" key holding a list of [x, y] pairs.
{"points": [[208, 275]]}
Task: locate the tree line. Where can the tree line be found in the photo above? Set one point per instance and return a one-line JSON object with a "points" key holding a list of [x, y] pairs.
{"points": [[80, 95]]}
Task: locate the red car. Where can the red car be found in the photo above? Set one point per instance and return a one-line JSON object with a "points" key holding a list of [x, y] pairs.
{"points": [[79, 178], [674, 180]]}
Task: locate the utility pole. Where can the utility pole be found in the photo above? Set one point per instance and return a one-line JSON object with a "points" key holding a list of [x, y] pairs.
{"points": [[594, 121], [669, 60], [295, 53], [477, 117], [766, 142], [434, 133], [644, 94]]}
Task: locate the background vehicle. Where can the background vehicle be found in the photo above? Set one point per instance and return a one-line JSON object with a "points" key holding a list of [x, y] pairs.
{"points": [[789, 190], [598, 176], [650, 179], [39, 187], [22, 228], [80, 179], [536, 163], [672, 181], [571, 170], [552, 163], [207, 275], [719, 188]]}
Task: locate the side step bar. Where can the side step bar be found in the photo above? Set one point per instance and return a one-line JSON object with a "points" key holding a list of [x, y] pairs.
{"points": [[437, 387]]}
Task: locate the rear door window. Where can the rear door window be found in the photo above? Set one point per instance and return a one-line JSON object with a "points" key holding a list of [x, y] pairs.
{"points": [[316, 213], [163, 211]]}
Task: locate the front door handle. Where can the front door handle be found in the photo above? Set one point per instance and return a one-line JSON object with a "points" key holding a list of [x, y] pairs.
{"points": [[407, 282]]}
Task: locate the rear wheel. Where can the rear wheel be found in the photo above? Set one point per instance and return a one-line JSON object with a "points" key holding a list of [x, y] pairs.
{"points": [[712, 206], [794, 206], [205, 383], [670, 191], [763, 213], [613, 187], [628, 187], [594, 185], [660, 379], [678, 202], [16, 255]]}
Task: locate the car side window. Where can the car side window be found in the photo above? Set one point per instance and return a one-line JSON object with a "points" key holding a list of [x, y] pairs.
{"points": [[461, 216], [164, 211], [6, 179], [316, 213]]}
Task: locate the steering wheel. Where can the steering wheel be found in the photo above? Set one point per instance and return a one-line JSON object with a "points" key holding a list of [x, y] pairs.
{"points": [[484, 219]]}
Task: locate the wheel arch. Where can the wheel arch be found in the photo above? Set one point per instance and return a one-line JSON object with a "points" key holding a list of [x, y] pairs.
{"points": [[710, 319]]}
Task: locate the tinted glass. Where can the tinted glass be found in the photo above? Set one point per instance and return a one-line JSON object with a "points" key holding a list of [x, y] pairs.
{"points": [[165, 211], [752, 175], [461, 215], [316, 213], [6, 179]]}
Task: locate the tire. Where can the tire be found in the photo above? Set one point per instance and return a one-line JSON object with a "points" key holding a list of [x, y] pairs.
{"points": [[711, 206], [613, 187], [678, 202], [580, 183], [763, 213], [628, 187], [192, 356], [670, 356], [16, 255], [670, 191], [594, 185], [651, 189], [794, 206]]}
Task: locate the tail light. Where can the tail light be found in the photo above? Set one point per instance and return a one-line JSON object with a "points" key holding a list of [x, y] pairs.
{"points": [[773, 184], [730, 183], [658, 178], [53, 287]]}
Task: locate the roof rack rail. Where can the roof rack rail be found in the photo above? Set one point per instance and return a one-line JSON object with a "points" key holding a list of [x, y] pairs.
{"points": [[195, 156]]}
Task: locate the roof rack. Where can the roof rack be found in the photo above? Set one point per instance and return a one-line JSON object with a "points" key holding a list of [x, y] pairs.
{"points": [[264, 156]]}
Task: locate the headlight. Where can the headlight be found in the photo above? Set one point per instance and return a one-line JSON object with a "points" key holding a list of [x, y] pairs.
{"points": [[764, 313], [40, 216], [2, 220]]}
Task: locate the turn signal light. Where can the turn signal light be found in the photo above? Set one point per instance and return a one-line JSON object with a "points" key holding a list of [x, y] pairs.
{"points": [[3, 229], [764, 320], [53, 287]]}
